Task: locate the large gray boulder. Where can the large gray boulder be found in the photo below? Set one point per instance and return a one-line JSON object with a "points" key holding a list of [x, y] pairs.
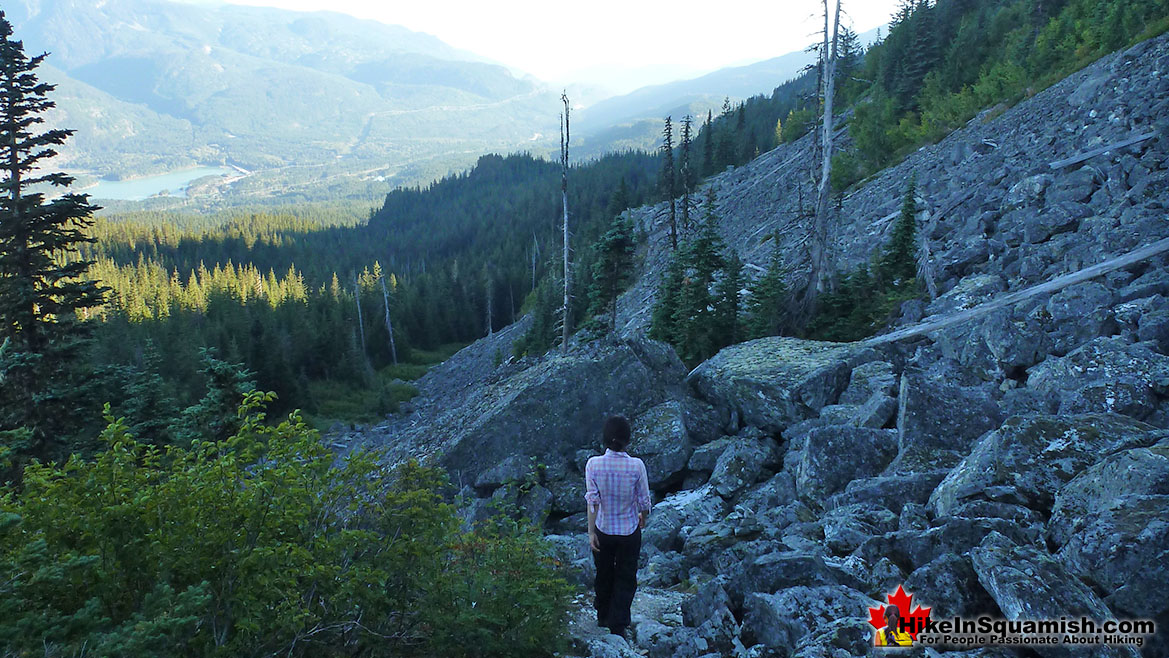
{"points": [[1079, 314], [683, 509], [1030, 458], [834, 456], [741, 464], [1015, 342], [1075, 187], [780, 570], [781, 620], [706, 456], [874, 413], [937, 417], [1027, 193], [949, 586], [867, 380], [1125, 550], [1102, 486], [545, 413], [868, 400], [1054, 220], [912, 549], [889, 491], [777, 491], [662, 440], [1027, 583], [846, 528], [967, 293], [771, 383], [1105, 375], [848, 636]]}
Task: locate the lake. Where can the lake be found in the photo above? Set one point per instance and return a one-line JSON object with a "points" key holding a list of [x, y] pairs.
{"points": [[136, 189]]}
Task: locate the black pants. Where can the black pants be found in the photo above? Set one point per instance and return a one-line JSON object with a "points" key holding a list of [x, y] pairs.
{"points": [[616, 578]]}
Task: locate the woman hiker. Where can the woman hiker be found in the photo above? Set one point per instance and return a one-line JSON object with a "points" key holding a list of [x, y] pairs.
{"points": [[617, 492]]}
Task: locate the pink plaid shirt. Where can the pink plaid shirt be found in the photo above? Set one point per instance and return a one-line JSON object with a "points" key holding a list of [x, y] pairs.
{"points": [[617, 487]]}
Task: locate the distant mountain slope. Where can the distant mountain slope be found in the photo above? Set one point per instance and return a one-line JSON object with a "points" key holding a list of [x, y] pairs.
{"points": [[632, 119], [153, 85]]}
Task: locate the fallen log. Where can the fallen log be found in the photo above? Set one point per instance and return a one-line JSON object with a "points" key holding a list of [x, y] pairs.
{"points": [[1088, 155], [1010, 299]]}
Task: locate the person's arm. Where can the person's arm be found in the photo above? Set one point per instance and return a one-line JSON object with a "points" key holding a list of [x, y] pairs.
{"points": [[593, 499], [644, 503]]}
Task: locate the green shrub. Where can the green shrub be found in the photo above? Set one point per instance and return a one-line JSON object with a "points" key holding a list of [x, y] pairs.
{"points": [[262, 544]]}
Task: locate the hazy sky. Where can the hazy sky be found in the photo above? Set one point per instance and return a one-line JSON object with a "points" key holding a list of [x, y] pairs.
{"points": [[620, 44]]}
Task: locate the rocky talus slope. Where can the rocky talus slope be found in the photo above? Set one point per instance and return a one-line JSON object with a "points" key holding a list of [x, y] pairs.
{"points": [[1017, 465]]}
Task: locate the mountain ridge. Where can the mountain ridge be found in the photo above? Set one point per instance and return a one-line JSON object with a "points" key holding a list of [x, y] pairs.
{"points": [[634, 119], [268, 89]]}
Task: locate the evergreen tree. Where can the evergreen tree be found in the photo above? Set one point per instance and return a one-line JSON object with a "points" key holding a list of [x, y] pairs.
{"points": [[214, 418], [612, 270], [693, 320], [43, 284], [704, 254], [669, 182], [620, 201], [708, 166], [899, 262], [766, 298], [689, 312], [662, 324], [688, 174], [149, 408], [724, 148], [728, 303], [925, 55], [541, 334]]}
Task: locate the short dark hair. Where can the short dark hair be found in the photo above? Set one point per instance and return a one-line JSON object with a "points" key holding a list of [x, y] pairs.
{"points": [[616, 433]]}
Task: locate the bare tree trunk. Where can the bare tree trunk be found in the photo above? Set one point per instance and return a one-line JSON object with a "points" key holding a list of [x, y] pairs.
{"points": [[925, 264], [535, 256], [490, 300], [389, 325], [360, 323], [819, 280], [565, 329]]}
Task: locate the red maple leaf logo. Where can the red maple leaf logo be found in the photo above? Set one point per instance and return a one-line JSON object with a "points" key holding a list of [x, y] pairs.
{"points": [[912, 621]]}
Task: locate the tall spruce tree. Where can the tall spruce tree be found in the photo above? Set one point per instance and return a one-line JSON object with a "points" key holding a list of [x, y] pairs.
{"points": [[43, 284], [669, 181], [708, 144], [728, 303], [899, 262], [612, 269], [766, 299], [724, 147], [687, 173], [662, 326]]}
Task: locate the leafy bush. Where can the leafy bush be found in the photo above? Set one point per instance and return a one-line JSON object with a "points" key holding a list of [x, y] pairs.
{"points": [[262, 544]]}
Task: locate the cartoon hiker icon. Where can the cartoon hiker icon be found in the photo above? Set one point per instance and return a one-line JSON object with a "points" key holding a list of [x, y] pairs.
{"points": [[892, 635]]}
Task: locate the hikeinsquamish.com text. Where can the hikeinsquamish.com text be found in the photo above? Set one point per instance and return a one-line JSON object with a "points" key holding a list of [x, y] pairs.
{"points": [[991, 631]]}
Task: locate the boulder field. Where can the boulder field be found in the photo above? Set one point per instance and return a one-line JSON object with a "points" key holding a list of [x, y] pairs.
{"points": [[1016, 465]]}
